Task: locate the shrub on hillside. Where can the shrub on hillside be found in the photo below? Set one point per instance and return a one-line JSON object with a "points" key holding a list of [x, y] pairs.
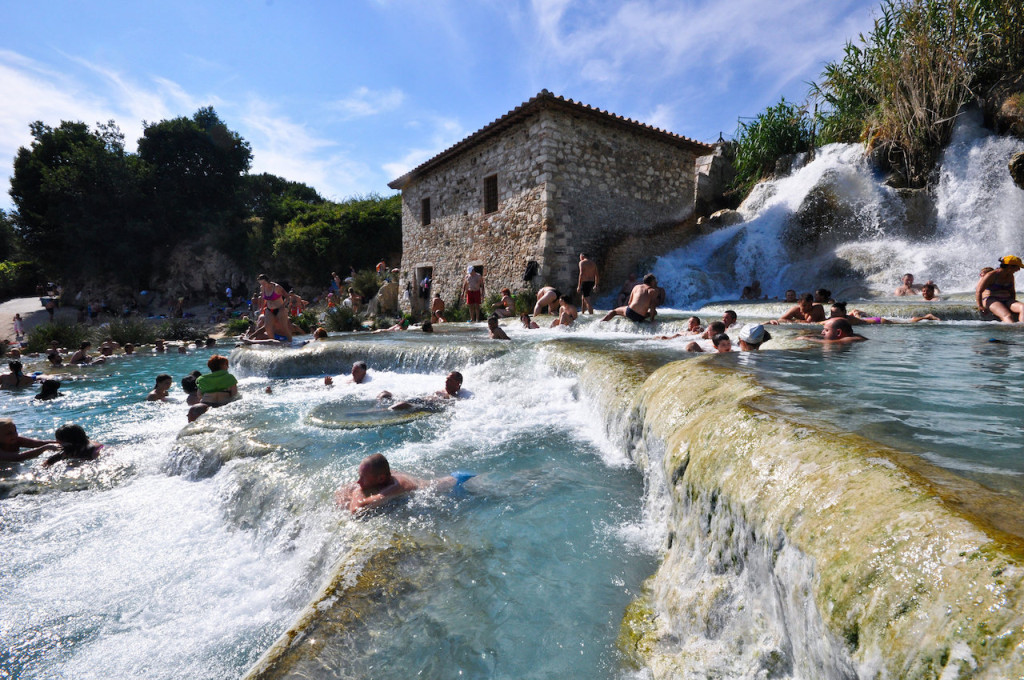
{"points": [[181, 329], [780, 130], [68, 335], [341, 319], [134, 330]]}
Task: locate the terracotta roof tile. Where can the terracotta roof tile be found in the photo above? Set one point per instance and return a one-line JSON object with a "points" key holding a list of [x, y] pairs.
{"points": [[545, 99]]}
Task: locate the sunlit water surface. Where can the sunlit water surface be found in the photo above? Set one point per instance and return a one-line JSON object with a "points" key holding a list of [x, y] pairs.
{"points": [[186, 557]]}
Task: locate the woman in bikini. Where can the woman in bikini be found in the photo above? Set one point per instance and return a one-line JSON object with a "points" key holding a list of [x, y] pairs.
{"points": [[275, 305], [996, 292]]}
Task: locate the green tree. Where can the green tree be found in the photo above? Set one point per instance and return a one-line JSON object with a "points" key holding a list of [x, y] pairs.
{"points": [[194, 168], [332, 236], [76, 191]]}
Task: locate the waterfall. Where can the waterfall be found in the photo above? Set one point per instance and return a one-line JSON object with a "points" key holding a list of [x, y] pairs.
{"points": [[833, 223]]}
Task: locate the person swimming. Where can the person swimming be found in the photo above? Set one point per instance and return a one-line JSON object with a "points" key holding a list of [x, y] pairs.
{"points": [[376, 485], [74, 446]]}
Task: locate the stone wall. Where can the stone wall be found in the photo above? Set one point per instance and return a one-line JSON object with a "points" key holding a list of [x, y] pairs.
{"points": [[567, 183], [459, 233], [608, 184]]}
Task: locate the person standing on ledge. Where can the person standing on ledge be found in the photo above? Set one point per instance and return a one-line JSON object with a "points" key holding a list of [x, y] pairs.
{"points": [[996, 292], [473, 286], [587, 283]]}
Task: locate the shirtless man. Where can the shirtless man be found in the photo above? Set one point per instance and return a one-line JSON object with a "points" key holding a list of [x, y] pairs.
{"points": [[805, 311], [473, 287], [162, 388], [11, 444], [835, 332], [567, 312], [494, 330], [587, 283], [452, 390], [377, 485], [692, 328], [358, 376], [437, 309], [907, 287], [641, 302]]}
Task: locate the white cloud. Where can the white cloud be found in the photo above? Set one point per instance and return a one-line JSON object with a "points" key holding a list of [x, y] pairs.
{"points": [[446, 132], [654, 39], [662, 117], [294, 151], [366, 102]]}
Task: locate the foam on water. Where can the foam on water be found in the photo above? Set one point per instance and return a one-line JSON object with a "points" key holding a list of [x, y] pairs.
{"points": [[864, 244]]}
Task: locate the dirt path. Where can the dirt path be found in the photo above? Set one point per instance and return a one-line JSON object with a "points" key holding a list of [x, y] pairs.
{"points": [[32, 314]]}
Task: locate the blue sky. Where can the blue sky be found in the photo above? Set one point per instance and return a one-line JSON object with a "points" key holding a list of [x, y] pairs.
{"points": [[348, 95]]}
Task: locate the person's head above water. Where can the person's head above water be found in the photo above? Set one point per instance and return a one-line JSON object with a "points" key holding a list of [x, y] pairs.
{"points": [[836, 329], [492, 321], [217, 363], [752, 336], [374, 472], [453, 383], [790, 295], [722, 343], [650, 280], [728, 317], [838, 310], [358, 371], [50, 389]]}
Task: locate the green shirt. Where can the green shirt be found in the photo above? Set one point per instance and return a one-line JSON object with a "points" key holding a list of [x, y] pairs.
{"points": [[218, 381]]}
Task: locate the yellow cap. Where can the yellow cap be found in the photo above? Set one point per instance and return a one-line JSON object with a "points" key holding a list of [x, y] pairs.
{"points": [[1012, 259]]}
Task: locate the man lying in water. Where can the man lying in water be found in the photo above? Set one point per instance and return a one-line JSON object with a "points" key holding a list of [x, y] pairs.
{"points": [[377, 485], [452, 390], [835, 331]]}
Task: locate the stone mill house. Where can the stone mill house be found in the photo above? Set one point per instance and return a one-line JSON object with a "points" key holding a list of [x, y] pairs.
{"points": [[530, 191]]}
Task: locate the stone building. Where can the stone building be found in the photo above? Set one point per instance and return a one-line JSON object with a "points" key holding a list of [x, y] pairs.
{"points": [[548, 180]]}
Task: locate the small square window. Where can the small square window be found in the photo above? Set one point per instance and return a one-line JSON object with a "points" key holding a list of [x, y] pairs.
{"points": [[491, 194], [425, 211]]}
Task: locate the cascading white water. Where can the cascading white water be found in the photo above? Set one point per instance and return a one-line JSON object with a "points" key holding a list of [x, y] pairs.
{"points": [[834, 224]]}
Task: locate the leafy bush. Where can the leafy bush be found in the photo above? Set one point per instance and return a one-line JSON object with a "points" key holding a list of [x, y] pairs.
{"points": [[366, 283], [236, 326], [525, 301], [307, 321], [456, 311], [900, 90], [69, 335], [341, 319], [331, 236], [181, 329], [133, 330], [781, 129]]}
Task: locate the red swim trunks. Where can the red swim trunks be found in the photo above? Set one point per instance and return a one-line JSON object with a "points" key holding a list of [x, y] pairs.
{"points": [[473, 297]]}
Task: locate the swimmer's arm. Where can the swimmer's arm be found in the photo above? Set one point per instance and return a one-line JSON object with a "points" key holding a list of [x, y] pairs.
{"points": [[358, 502], [17, 457]]}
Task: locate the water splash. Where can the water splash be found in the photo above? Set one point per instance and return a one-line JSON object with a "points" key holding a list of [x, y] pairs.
{"points": [[834, 224]]}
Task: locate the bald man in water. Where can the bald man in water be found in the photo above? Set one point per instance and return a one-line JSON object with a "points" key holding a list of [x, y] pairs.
{"points": [[377, 485]]}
